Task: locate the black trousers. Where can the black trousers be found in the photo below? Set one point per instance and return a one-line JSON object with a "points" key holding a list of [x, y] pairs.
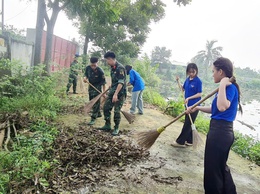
{"points": [[217, 176], [186, 132]]}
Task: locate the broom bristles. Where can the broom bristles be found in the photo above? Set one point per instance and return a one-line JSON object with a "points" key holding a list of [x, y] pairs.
{"points": [[197, 141], [129, 117], [146, 139], [90, 104]]}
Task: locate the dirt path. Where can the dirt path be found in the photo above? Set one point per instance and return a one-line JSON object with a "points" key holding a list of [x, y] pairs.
{"points": [[168, 169]]}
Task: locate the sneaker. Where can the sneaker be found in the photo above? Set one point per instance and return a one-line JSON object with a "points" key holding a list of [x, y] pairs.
{"points": [[175, 144], [92, 122], [115, 132], [140, 113], [106, 127]]}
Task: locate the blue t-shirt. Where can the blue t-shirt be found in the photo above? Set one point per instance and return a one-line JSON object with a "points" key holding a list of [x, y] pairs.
{"points": [[136, 80], [231, 112], [192, 87]]}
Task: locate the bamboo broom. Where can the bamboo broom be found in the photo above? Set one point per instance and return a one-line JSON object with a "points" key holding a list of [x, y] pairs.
{"points": [[147, 138], [196, 139], [88, 106], [129, 117]]}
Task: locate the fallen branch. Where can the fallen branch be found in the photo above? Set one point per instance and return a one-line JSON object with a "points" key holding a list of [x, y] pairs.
{"points": [[249, 126], [8, 135], [15, 133], [2, 135]]}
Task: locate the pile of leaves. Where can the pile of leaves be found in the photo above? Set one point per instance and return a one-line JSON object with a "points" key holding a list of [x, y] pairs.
{"points": [[85, 155]]}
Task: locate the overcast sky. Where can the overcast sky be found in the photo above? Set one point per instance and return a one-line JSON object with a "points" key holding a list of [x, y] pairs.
{"points": [[184, 30]]}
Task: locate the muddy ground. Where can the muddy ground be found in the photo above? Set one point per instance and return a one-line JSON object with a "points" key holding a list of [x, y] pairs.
{"points": [[167, 169]]}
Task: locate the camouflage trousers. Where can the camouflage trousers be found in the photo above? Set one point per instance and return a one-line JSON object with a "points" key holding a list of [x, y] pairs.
{"points": [[117, 108], [92, 93], [72, 81]]}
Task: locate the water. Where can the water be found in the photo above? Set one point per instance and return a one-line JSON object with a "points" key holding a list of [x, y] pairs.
{"points": [[251, 116]]}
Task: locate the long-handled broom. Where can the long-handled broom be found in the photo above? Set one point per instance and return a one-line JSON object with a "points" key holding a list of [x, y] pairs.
{"points": [[129, 117], [88, 106], [196, 139], [147, 138]]}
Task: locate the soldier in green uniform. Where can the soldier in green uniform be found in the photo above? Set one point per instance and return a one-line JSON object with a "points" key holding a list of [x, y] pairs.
{"points": [[117, 93], [73, 75], [95, 76]]}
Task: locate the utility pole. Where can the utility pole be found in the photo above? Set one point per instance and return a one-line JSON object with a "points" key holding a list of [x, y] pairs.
{"points": [[3, 27]]}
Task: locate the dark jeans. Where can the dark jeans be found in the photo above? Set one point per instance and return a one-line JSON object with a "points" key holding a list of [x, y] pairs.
{"points": [[186, 132], [217, 177]]}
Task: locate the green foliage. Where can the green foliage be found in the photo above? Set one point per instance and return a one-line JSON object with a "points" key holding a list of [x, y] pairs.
{"points": [[153, 97], [124, 24], [27, 90], [247, 147], [175, 107], [202, 123], [147, 72], [205, 58], [30, 158]]}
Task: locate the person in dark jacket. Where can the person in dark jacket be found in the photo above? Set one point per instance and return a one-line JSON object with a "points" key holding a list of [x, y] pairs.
{"points": [[96, 77], [117, 93], [137, 92]]}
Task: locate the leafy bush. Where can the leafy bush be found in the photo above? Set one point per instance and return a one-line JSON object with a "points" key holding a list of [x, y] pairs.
{"points": [[175, 107], [202, 123], [247, 147], [153, 97], [27, 90], [29, 160]]}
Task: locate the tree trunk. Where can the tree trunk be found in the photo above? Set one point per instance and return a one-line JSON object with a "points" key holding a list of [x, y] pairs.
{"points": [[49, 36], [39, 29], [85, 51]]}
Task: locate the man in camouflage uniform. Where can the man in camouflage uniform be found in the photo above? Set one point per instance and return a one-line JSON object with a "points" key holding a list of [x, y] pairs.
{"points": [[73, 75], [95, 76], [117, 93]]}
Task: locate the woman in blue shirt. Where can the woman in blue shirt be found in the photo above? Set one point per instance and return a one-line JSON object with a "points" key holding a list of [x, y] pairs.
{"points": [[137, 93], [217, 176], [192, 89]]}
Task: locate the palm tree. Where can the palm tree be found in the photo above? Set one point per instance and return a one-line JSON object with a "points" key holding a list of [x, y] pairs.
{"points": [[205, 58]]}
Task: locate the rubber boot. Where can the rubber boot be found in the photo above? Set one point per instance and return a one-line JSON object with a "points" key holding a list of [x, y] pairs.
{"points": [[115, 131], [106, 127], [92, 122]]}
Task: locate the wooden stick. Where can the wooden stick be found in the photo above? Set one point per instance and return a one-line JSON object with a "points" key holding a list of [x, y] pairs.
{"points": [[8, 136]]}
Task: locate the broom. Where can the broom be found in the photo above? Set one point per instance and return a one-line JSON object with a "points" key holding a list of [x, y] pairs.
{"points": [[88, 106], [129, 117], [147, 138], [196, 139]]}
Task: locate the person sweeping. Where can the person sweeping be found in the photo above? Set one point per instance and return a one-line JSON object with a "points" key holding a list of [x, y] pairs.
{"points": [[116, 95], [217, 176], [95, 76], [192, 92], [137, 92]]}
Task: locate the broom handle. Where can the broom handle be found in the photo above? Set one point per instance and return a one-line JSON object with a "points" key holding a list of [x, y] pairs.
{"points": [[178, 81], [232, 79], [192, 107], [94, 87]]}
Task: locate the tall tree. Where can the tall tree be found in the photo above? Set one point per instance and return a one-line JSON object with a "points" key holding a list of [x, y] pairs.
{"points": [[161, 56], [121, 26], [41, 10], [205, 58]]}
